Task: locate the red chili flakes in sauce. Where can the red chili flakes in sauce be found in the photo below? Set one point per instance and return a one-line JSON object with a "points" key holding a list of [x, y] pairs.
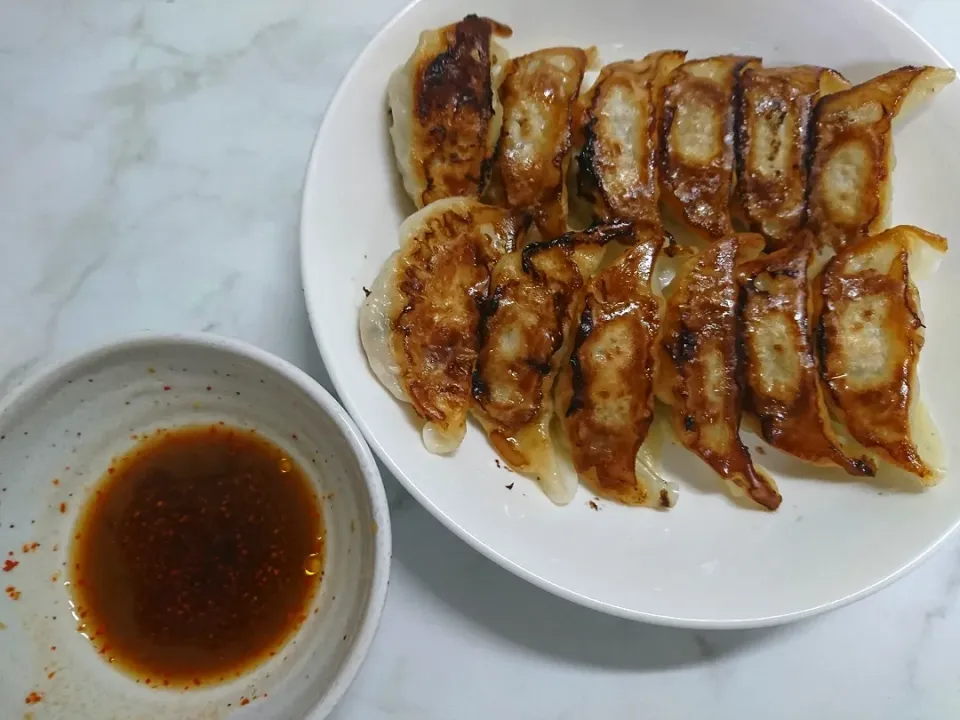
{"points": [[33, 698], [198, 555], [9, 565]]}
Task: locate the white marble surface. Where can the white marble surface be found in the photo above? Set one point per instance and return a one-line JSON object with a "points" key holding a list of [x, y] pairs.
{"points": [[151, 156]]}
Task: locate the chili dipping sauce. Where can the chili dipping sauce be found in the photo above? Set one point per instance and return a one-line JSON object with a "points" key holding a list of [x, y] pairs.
{"points": [[197, 557]]}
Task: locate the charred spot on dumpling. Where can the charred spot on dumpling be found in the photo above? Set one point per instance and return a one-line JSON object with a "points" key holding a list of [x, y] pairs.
{"points": [[665, 500], [459, 78], [584, 328], [685, 348], [589, 180], [445, 110]]}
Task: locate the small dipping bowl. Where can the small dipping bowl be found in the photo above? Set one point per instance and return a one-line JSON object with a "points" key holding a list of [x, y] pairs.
{"points": [[58, 434]]}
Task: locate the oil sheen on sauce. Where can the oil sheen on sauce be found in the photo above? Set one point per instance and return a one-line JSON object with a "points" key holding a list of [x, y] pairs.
{"points": [[198, 556]]}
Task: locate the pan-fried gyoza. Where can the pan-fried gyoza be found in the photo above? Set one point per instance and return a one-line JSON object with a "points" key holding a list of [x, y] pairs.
{"points": [[696, 148], [772, 145], [604, 393], [850, 177], [619, 124], [446, 112], [870, 336], [419, 323], [524, 335], [472, 316], [538, 95], [782, 384], [697, 373]]}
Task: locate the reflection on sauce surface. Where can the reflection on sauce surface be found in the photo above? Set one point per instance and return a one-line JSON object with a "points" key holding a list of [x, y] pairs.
{"points": [[198, 555]]}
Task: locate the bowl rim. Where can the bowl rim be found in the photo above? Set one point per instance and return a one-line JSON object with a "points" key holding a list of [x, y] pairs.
{"points": [[48, 376], [312, 170]]}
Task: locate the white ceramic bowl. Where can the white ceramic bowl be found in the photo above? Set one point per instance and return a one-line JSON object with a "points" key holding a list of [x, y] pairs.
{"points": [[67, 423]]}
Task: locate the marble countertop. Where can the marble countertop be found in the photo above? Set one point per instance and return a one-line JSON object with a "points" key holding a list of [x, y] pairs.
{"points": [[152, 155]]}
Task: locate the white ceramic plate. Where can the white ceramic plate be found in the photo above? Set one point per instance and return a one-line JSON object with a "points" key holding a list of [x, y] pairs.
{"points": [[68, 423], [706, 563]]}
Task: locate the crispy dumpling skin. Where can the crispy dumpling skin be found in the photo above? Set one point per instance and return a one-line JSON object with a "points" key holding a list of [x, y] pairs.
{"points": [[773, 144], [524, 338], [870, 336], [850, 174], [697, 162], [619, 128], [539, 94], [604, 394], [781, 378], [697, 372], [446, 111], [418, 325]]}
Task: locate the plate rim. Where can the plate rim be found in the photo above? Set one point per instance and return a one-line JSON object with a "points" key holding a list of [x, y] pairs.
{"points": [[311, 176]]}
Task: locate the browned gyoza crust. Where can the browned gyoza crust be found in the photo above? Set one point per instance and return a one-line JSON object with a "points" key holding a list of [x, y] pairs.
{"points": [[697, 155], [619, 123], [453, 106], [782, 382], [774, 123], [697, 373], [870, 337], [849, 181], [526, 321], [605, 392], [444, 271], [538, 94]]}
